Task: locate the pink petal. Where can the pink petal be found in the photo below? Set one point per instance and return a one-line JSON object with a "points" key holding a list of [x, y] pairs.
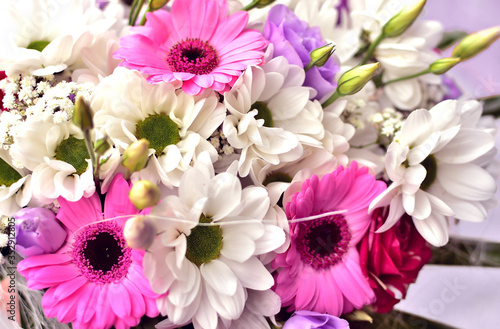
{"points": [[42, 260], [191, 88], [120, 300], [88, 302], [228, 31], [117, 202], [66, 289], [80, 213], [53, 275]]}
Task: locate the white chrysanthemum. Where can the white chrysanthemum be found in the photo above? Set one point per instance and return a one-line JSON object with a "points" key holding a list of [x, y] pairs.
{"points": [[208, 269], [58, 157], [98, 59], [15, 187], [437, 169], [43, 37], [401, 56], [271, 116], [177, 125]]}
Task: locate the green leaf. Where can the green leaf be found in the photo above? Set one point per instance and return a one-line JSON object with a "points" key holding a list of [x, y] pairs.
{"points": [[450, 38], [491, 106]]}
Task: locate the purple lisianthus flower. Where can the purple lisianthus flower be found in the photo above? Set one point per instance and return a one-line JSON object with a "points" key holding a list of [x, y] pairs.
{"points": [[38, 232], [295, 39], [314, 320]]}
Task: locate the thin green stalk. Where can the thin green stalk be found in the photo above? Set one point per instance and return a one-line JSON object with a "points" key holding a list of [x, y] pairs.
{"points": [[95, 165], [135, 10], [407, 77], [143, 20], [372, 48], [251, 5], [331, 99]]}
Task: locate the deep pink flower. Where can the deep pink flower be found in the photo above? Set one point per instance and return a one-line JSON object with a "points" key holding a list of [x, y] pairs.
{"points": [[2, 94], [94, 280], [391, 260], [195, 45], [321, 271]]}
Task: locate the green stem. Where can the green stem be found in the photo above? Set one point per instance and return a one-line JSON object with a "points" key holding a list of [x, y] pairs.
{"points": [[143, 20], [407, 77], [95, 165], [135, 10], [251, 5], [308, 66], [372, 48], [332, 99]]}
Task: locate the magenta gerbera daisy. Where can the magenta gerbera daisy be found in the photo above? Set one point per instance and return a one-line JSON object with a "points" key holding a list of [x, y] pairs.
{"points": [[94, 280], [196, 46], [321, 271]]}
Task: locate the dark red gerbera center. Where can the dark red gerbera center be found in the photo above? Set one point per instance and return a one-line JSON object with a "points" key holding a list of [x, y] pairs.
{"points": [[192, 56], [101, 253], [322, 242]]}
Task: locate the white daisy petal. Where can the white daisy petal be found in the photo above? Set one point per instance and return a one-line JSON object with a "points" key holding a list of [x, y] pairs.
{"points": [[467, 146], [434, 229], [466, 181], [220, 277]]}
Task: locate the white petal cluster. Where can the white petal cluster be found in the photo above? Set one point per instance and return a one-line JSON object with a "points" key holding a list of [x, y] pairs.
{"points": [[296, 121], [439, 167], [125, 99], [45, 37], [35, 149], [214, 293]]}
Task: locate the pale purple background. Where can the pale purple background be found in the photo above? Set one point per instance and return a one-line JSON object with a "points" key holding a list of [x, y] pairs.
{"points": [[479, 76]]}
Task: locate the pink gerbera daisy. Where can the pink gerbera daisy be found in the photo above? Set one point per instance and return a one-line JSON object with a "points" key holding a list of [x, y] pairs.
{"points": [[196, 44], [320, 271], [94, 280]]}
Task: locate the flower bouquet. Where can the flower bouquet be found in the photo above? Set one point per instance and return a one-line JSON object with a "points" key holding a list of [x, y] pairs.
{"points": [[226, 164]]}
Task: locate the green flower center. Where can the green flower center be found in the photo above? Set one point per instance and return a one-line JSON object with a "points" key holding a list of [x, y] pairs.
{"points": [[204, 243], [277, 177], [159, 130], [8, 175], [38, 45], [74, 151], [264, 113], [431, 166]]}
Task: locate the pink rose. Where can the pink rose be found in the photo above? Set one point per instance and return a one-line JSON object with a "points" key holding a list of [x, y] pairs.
{"points": [[392, 260]]}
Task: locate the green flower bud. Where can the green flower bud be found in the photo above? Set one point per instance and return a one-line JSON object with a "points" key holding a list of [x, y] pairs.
{"points": [[136, 155], [82, 115], [264, 3], [144, 194], [356, 78], [320, 56], [441, 66], [475, 43], [139, 232], [157, 4], [403, 20]]}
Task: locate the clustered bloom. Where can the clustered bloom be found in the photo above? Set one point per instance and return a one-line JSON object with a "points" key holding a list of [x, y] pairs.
{"points": [[391, 260], [196, 46], [206, 258], [209, 166], [94, 280], [431, 165], [321, 270], [294, 39]]}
